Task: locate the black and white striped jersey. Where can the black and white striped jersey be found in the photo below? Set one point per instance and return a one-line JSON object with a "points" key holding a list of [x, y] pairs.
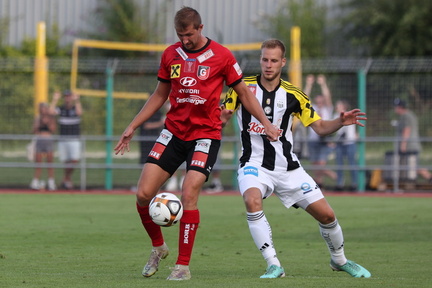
{"points": [[280, 107]]}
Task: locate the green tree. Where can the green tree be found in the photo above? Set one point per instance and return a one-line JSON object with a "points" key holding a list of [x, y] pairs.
{"points": [[388, 27], [309, 15], [121, 20]]}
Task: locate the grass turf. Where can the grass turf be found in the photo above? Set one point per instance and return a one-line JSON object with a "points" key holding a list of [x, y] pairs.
{"points": [[85, 240]]}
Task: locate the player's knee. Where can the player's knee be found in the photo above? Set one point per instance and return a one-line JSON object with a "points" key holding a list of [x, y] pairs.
{"points": [[252, 203], [143, 199], [327, 218]]}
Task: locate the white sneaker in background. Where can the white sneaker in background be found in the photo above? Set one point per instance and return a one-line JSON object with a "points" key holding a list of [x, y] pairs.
{"points": [[51, 185], [34, 184], [41, 184], [171, 185]]}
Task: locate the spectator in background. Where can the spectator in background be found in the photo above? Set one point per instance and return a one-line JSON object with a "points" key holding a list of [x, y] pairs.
{"points": [[346, 147], [319, 147], [407, 130], [69, 120], [44, 127]]}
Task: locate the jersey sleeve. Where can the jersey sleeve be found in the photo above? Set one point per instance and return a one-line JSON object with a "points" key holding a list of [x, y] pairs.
{"points": [[233, 72], [307, 113]]}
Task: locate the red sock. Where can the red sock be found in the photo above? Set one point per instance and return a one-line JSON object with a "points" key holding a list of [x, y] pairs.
{"points": [[153, 230], [188, 227]]}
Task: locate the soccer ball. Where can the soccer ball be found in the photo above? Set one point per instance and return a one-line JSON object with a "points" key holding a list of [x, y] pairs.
{"points": [[165, 209]]}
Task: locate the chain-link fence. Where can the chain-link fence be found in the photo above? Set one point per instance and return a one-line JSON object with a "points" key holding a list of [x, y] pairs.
{"points": [[386, 79]]}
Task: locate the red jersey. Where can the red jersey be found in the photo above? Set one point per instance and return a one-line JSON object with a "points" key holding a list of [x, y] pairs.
{"points": [[197, 79]]}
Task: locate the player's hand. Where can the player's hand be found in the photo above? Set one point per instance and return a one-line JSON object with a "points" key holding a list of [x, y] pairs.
{"points": [[123, 143], [352, 117], [56, 96], [321, 80], [310, 79], [226, 115], [75, 97], [272, 133]]}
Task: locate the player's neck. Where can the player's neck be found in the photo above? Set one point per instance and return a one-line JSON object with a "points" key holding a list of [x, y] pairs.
{"points": [[270, 85]]}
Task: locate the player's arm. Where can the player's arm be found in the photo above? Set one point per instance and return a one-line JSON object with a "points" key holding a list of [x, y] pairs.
{"points": [[154, 103], [326, 127], [78, 106], [310, 79], [53, 104], [251, 104], [325, 90]]}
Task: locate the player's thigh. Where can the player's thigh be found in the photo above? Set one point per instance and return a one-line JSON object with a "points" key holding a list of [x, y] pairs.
{"points": [[202, 155], [321, 211], [168, 152], [151, 179]]}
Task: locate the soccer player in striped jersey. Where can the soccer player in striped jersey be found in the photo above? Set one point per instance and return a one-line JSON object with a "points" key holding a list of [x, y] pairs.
{"points": [[191, 76], [272, 167]]}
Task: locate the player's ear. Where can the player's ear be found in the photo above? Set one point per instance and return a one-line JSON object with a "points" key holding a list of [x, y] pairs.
{"points": [[283, 61]]}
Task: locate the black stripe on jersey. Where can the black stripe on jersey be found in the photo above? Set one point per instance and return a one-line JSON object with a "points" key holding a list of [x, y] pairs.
{"points": [[269, 156], [293, 106]]}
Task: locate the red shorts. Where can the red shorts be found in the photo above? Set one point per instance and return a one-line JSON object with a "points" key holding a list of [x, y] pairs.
{"points": [[169, 152]]}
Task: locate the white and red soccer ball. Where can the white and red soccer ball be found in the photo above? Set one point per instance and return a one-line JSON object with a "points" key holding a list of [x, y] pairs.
{"points": [[165, 209]]}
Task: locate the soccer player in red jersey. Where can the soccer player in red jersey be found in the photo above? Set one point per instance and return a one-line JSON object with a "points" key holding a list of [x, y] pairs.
{"points": [[191, 76]]}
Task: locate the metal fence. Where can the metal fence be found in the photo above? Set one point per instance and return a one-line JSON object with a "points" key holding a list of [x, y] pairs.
{"points": [[386, 79]]}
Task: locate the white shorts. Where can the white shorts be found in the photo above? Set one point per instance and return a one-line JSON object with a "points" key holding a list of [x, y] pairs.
{"points": [[294, 187], [69, 150]]}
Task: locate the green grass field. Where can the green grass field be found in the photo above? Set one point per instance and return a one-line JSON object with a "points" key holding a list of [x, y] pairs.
{"points": [[88, 240]]}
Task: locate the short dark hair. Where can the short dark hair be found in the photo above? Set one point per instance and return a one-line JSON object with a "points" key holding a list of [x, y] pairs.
{"points": [[274, 43], [185, 17], [67, 93], [399, 102]]}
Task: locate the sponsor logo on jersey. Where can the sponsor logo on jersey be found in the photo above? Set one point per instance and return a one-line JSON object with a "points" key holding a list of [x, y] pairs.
{"points": [[203, 72], [203, 145], [189, 65], [250, 170], [267, 109], [258, 128], [157, 150], [199, 159], [206, 55], [280, 104], [164, 137], [306, 188], [193, 99], [253, 88], [189, 91], [182, 53], [188, 81], [175, 71], [237, 69]]}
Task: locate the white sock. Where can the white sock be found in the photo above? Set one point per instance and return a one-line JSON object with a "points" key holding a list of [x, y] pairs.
{"points": [[333, 236], [262, 235]]}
